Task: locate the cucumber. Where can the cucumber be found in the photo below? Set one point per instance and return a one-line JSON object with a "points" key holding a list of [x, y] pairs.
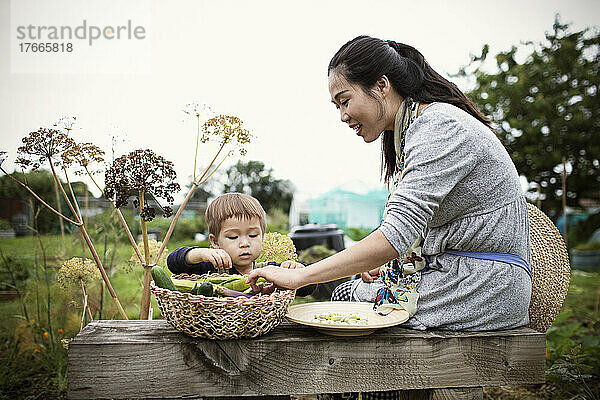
{"points": [[204, 289], [238, 284], [223, 281], [186, 285], [162, 279], [183, 285]]}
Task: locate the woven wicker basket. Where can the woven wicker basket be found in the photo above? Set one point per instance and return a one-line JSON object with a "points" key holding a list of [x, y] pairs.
{"points": [[222, 318], [551, 270]]}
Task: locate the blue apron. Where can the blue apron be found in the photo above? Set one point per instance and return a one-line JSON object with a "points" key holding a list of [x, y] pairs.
{"points": [[508, 258]]}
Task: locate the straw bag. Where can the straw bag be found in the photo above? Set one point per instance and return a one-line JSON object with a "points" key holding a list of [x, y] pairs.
{"points": [[222, 318], [550, 270]]}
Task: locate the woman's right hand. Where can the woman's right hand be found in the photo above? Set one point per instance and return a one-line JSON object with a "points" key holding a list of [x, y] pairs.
{"points": [[284, 278]]}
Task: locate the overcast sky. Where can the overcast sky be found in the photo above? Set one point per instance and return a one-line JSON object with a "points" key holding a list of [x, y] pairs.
{"points": [[264, 61]]}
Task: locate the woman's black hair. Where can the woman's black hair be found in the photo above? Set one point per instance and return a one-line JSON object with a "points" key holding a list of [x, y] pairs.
{"points": [[364, 59]]}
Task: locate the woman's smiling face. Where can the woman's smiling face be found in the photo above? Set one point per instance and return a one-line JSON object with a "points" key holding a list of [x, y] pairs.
{"points": [[363, 113]]}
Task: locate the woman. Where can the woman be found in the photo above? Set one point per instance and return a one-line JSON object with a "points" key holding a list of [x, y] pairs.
{"points": [[454, 241]]}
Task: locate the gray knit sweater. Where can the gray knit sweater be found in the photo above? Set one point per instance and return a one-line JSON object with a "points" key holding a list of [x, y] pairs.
{"points": [[460, 189]]}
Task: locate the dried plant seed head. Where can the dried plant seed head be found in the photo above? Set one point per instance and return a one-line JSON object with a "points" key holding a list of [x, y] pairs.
{"points": [[153, 247], [141, 171], [226, 129], [65, 343], [66, 123], [41, 146], [77, 269], [277, 248], [3, 157], [83, 154], [197, 110], [147, 213]]}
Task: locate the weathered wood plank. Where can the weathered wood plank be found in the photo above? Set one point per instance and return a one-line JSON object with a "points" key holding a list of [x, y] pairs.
{"points": [[132, 359]]}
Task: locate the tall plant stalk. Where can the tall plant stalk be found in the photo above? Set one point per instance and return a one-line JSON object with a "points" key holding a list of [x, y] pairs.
{"points": [[102, 283], [86, 307], [46, 280], [60, 220], [145, 307], [142, 173], [37, 288]]}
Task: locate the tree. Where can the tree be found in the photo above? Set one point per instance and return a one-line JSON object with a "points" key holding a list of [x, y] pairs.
{"points": [[42, 183], [254, 179], [547, 108]]}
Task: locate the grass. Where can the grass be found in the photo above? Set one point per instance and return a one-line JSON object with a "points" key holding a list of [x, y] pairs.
{"points": [[33, 361], [33, 366], [573, 348]]}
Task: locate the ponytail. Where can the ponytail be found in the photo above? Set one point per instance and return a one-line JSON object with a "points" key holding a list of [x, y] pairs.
{"points": [[364, 59]]}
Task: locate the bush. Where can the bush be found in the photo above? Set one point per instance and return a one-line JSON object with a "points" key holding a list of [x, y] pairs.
{"points": [[589, 246], [573, 340], [5, 225], [107, 223], [185, 229], [582, 232], [42, 183], [278, 221], [314, 253], [357, 234], [16, 267]]}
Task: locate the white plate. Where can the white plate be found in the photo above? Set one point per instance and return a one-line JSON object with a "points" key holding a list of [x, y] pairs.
{"points": [[304, 314]]}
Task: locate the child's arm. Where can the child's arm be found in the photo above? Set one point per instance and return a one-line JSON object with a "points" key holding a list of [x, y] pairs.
{"points": [[217, 257], [178, 261]]}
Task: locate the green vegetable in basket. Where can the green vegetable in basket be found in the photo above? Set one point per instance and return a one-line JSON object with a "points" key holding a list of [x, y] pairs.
{"points": [[186, 285], [241, 285], [238, 284], [233, 282], [222, 280], [204, 289], [161, 278], [183, 285]]}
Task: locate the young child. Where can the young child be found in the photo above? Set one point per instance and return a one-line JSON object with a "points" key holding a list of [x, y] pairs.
{"points": [[236, 226]]}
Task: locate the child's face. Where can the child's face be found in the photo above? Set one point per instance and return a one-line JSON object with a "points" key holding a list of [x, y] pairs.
{"points": [[242, 239]]}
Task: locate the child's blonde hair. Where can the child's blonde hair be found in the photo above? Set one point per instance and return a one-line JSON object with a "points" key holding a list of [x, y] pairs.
{"points": [[230, 205]]}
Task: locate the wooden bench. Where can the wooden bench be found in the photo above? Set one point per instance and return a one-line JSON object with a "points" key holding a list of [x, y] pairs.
{"points": [[150, 359]]}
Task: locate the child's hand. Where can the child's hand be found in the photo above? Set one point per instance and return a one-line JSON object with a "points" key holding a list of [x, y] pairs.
{"points": [[217, 257], [289, 264], [370, 276]]}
